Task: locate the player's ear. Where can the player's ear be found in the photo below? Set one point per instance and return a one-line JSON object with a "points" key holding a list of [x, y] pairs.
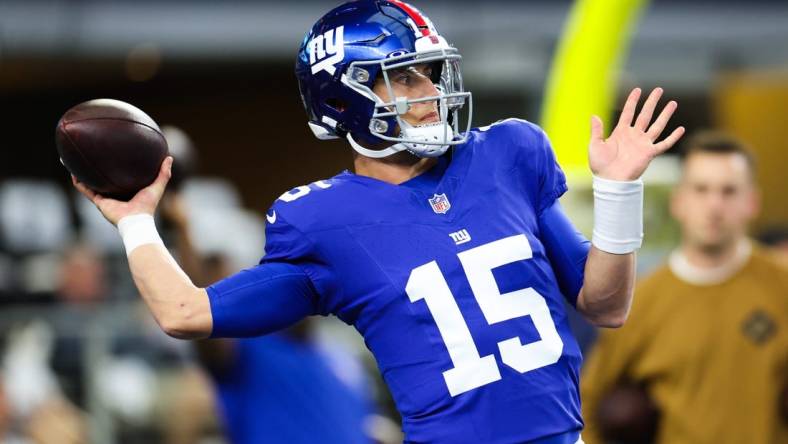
{"points": [[676, 204], [754, 201], [379, 87]]}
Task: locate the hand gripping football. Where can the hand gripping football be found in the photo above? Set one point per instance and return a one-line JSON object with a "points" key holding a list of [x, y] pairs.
{"points": [[112, 147]]}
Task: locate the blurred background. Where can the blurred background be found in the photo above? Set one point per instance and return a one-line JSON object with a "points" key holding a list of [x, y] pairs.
{"points": [[77, 346]]}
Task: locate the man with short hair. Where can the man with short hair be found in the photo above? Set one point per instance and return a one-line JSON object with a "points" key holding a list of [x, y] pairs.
{"points": [[446, 249], [708, 333]]}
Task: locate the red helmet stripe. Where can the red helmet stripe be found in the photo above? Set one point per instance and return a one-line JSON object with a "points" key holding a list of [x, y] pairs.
{"points": [[414, 14]]}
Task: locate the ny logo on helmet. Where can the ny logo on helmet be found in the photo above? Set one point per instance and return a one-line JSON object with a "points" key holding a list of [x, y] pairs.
{"points": [[327, 50]]}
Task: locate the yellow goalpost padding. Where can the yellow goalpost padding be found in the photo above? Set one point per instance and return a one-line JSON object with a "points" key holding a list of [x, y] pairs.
{"points": [[583, 77]]}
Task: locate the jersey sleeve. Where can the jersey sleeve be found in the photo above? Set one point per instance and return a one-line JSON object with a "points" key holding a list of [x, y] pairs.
{"points": [[535, 162], [552, 184], [285, 243], [288, 284], [260, 300], [566, 248]]}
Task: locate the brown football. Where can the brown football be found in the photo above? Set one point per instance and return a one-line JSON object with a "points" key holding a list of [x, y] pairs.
{"points": [[628, 415], [112, 147]]}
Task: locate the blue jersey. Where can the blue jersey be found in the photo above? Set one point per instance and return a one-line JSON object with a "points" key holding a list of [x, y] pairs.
{"points": [[447, 279], [279, 390]]}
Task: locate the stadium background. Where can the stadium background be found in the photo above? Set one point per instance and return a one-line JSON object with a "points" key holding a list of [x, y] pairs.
{"points": [[222, 72]]}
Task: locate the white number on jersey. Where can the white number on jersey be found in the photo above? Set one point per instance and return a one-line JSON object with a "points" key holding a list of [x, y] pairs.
{"points": [[471, 370], [303, 190]]}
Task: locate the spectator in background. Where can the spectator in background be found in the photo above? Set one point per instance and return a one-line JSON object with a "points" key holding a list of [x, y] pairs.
{"points": [[33, 409], [82, 285], [54, 421], [708, 332], [82, 276], [142, 378], [284, 387]]}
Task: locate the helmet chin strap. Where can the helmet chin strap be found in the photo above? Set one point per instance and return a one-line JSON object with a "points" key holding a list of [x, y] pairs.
{"points": [[375, 154], [428, 133]]}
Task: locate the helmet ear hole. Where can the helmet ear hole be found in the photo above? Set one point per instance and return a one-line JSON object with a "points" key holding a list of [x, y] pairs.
{"points": [[338, 105]]}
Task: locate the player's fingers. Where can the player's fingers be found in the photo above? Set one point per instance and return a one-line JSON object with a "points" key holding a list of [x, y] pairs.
{"points": [[670, 140], [93, 196], [597, 129], [87, 192], [165, 172], [662, 120], [644, 118], [167, 164], [629, 108]]}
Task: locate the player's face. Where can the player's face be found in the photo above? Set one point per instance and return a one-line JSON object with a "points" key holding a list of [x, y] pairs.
{"points": [[715, 200], [413, 82]]}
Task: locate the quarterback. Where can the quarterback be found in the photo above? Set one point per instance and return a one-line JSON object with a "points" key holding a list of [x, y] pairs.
{"points": [[446, 247]]}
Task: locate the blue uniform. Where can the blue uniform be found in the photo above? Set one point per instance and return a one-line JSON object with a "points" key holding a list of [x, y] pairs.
{"points": [[447, 278], [278, 390]]}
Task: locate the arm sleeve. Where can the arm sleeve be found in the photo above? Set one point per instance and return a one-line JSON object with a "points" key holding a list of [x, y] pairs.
{"points": [[566, 248], [260, 300]]}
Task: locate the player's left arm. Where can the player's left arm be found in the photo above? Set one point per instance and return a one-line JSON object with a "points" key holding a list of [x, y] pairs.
{"points": [[617, 164], [608, 287]]}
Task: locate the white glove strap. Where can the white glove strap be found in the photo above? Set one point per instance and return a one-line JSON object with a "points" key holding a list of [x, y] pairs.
{"points": [[137, 230], [618, 215]]}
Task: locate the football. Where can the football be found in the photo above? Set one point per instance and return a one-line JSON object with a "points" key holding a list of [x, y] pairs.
{"points": [[628, 415], [111, 146]]}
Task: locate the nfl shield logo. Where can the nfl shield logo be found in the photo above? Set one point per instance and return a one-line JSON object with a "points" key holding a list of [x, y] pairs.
{"points": [[440, 203]]}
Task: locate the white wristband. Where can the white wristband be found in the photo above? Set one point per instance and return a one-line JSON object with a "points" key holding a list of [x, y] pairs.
{"points": [[618, 215], [137, 230]]}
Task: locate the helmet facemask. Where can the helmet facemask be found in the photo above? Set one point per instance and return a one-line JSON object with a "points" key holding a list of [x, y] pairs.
{"points": [[387, 123]]}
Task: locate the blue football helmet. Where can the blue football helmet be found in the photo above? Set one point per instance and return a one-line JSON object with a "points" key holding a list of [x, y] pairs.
{"points": [[353, 46]]}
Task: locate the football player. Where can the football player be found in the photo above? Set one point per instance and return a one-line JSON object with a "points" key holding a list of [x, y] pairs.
{"points": [[446, 248]]}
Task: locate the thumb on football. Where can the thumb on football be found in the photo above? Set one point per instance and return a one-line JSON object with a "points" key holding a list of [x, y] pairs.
{"points": [[158, 185], [165, 173]]}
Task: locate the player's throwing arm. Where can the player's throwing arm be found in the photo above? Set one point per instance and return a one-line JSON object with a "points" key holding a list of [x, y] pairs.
{"points": [[181, 309], [113, 147]]}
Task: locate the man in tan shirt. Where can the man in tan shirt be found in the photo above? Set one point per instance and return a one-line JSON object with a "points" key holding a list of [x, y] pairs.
{"points": [[708, 332]]}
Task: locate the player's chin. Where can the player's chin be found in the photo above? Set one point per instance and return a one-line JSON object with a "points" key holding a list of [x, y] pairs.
{"points": [[430, 119], [423, 122], [425, 117]]}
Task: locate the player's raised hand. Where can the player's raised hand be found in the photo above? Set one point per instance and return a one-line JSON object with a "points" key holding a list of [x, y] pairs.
{"points": [[144, 202], [631, 146]]}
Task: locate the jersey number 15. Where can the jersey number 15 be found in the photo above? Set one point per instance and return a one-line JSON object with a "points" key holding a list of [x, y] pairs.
{"points": [[471, 370]]}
